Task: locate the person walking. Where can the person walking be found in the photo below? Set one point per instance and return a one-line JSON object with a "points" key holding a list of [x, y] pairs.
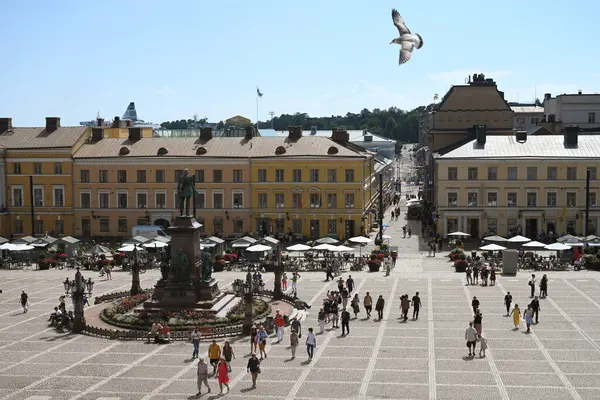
{"points": [[492, 282], [279, 324], [340, 284], [345, 322], [261, 339], [535, 307], [254, 368], [416, 303], [253, 342], [475, 304], [345, 296], [293, 342], [24, 300], [195, 339], [483, 345], [295, 277], [368, 304], [223, 375], [350, 284], [532, 285], [321, 321], [516, 313], [214, 355], [228, 354], [284, 282], [295, 325], [475, 280], [355, 304], [468, 272], [471, 338], [507, 302], [311, 343], [528, 315], [328, 273], [379, 307], [202, 376], [477, 320], [334, 313], [405, 305], [544, 287]]}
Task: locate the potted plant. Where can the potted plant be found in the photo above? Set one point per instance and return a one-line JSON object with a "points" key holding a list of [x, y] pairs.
{"points": [[43, 263], [460, 263], [62, 256], [219, 264], [374, 264]]}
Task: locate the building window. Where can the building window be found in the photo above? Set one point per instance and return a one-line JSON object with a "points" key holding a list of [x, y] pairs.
{"points": [[84, 176], [37, 168], [142, 199], [452, 173], [452, 199], [314, 175], [142, 221], [551, 199], [593, 171], [592, 201], [349, 175], [531, 173], [103, 200], [238, 225], [59, 227], [492, 173], [297, 226], [85, 200], [492, 226], [297, 200], [122, 200], [279, 200], [38, 227], [160, 200], [297, 175], [531, 198], [332, 226], [349, 200], [103, 176], [38, 196], [238, 175], [552, 173], [472, 199], [122, 225], [200, 200], [122, 176], [178, 175], [218, 224], [17, 196], [218, 200], [591, 118], [331, 175], [238, 200], [104, 225], [16, 168], [571, 199], [141, 176], [217, 176], [262, 200], [511, 199], [511, 173], [58, 170], [59, 196], [262, 175], [279, 175], [159, 176], [331, 200], [199, 176], [571, 173], [472, 173], [18, 227], [492, 199], [279, 225], [315, 200]]}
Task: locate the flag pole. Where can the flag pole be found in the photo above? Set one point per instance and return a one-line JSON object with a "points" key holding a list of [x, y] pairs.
{"points": [[257, 96]]}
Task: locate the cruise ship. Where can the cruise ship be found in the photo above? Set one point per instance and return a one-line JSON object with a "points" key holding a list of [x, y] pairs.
{"points": [[130, 115]]}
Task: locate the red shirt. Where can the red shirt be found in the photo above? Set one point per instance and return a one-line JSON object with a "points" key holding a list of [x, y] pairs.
{"points": [[279, 321]]}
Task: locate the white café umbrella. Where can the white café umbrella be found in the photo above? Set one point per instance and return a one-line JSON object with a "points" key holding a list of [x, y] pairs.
{"points": [[386, 237], [257, 248], [16, 247], [343, 248], [458, 234], [327, 240], [127, 248], [8, 246], [495, 238], [557, 246], [325, 246], [534, 244], [156, 244], [519, 239], [298, 247], [360, 239], [567, 237], [492, 247]]}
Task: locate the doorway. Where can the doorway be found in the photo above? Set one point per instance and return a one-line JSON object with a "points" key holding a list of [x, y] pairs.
{"points": [[349, 228], [550, 228], [473, 227], [86, 227], [315, 229], [531, 228]]}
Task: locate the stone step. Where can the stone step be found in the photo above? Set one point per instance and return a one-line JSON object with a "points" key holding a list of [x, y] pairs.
{"points": [[226, 304]]}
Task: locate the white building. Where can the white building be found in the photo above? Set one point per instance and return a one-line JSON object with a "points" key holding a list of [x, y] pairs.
{"points": [[573, 109], [526, 116]]}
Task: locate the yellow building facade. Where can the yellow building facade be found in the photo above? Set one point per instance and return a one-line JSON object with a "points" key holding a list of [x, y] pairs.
{"points": [[504, 187]]}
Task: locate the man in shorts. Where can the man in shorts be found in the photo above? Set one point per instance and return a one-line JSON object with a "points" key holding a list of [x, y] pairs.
{"points": [[214, 354], [471, 338]]}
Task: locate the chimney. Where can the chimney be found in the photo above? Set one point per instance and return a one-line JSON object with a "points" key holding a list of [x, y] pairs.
{"points": [[248, 132], [5, 124], [579, 92], [571, 133], [547, 96], [294, 132], [521, 136], [206, 133], [52, 124], [128, 123], [100, 121], [116, 122], [97, 134], [340, 136], [135, 134], [480, 133], [365, 132], [313, 130]]}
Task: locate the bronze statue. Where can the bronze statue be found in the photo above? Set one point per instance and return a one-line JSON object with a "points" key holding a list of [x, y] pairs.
{"points": [[182, 267], [186, 188], [164, 262], [207, 265]]}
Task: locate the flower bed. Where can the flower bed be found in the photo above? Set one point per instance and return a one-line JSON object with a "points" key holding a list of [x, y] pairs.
{"points": [[122, 314]]}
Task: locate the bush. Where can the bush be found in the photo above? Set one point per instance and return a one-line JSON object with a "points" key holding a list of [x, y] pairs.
{"points": [[460, 265], [374, 265], [218, 265], [592, 262]]}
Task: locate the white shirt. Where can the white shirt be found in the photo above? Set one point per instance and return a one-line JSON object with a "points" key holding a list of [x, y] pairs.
{"points": [[195, 335], [470, 334], [311, 339]]}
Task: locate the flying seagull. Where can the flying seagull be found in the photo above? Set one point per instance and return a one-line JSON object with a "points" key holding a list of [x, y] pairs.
{"points": [[407, 40]]}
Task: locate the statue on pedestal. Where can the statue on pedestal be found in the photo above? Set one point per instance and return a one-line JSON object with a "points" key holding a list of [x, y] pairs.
{"points": [[182, 267], [206, 266], [164, 263], [186, 189]]}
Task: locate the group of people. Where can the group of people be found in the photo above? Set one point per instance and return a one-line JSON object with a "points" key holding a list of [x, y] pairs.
{"points": [[220, 360], [477, 271]]}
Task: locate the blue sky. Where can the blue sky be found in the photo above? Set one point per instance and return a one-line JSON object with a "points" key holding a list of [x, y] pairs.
{"points": [[176, 58]]}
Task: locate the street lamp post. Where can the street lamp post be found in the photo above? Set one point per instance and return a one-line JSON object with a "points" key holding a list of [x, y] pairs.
{"points": [[77, 289], [249, 300], [135, 273], [277, 292]]}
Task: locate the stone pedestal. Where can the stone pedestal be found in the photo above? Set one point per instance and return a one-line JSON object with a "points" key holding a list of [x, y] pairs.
{"points": [[184, 288]]}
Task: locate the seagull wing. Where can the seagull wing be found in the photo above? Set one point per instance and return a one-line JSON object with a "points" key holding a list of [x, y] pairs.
{"points": [[399, 22], [406, 52]]}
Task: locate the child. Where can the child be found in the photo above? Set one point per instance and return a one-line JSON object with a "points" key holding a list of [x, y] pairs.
{"points": [[284, 282], [483, 345]]}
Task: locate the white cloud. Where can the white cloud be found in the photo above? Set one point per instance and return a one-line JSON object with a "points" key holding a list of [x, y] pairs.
{"points": [[165, 91], [459, 77]]}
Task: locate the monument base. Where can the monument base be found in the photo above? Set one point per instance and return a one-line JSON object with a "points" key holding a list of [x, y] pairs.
{"points": [[173, 297]]}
